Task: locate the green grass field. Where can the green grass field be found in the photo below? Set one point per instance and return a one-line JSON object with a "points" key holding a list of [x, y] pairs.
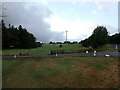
{"points": [[44, 50], [60, 72]]}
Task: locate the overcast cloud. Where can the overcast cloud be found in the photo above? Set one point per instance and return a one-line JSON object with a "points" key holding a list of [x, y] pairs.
{"points": [[31, 16], [48, 25]]}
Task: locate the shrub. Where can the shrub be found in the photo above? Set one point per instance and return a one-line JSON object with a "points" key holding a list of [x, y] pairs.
{"points": [[83, 50], [60, 45]]}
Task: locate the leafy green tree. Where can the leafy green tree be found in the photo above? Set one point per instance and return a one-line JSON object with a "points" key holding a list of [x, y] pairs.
{"points": [[99, 37], [85, 43], [114, 39]]}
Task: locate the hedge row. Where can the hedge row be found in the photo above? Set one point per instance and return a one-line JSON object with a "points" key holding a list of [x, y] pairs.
{"points": [[18, 54], [83, 50]]}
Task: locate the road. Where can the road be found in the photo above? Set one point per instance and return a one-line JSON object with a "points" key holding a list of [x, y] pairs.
{"points": [[116, 54], [108, 53]]}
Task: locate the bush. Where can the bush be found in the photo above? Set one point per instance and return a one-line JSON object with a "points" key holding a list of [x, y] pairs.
{"points": [[83, 50], [38, 44], [60, 45]]}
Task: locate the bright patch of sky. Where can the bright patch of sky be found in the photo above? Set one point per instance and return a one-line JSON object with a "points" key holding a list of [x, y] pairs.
{"points": [[81, 18], [99, 13]]}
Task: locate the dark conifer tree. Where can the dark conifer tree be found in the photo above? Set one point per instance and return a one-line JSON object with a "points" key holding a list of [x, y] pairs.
{"points": [[17, 37]]}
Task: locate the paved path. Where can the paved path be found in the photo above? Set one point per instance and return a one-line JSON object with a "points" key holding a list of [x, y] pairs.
{"points": [[108, 53], [72, 54]]}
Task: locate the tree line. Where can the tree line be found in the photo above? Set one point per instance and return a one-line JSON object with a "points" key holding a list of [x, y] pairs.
{"points": [[17, 37], [68, 42], [100, 37], [20, 38]]}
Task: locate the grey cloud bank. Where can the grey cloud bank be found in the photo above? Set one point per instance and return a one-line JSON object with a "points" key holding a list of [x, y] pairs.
{"points": [[31, 16]]}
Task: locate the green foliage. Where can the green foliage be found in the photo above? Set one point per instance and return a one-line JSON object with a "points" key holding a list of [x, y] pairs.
{"points": [[44, 50], [100, 37], [82, 50], [114, 39], [16, 37], [85, 43], [38, 44], [97, 39], [60, 45]]}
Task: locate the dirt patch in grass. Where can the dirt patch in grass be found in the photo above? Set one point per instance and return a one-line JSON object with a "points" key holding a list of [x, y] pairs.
{"points": [[34, 65], [43, 63], [102, 76], [97, 78], [64, 80], [52, 63]]}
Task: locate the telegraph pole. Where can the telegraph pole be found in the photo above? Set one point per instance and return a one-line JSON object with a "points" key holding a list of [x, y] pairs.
{"points": [[66, 36], [1, 11]]}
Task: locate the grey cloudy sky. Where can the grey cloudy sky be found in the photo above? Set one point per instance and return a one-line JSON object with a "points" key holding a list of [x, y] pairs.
{"points": [[31, 16]]}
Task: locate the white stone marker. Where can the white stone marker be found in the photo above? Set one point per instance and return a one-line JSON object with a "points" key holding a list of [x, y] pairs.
{"points": [[14, 56], [56, 54], [107, 55], [49, 52], [86, 51], [94, 53], [116, 47]]}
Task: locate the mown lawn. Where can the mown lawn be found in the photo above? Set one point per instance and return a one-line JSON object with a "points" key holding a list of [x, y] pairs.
{"points": [[60, 72], [44, 50]]}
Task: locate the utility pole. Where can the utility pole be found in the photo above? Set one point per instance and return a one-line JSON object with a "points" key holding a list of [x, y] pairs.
{"points": [[66, 36], [1, 11], [1, 15], [0, 46]]}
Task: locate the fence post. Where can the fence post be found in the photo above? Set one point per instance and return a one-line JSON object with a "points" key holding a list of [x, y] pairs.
{"points": [[86, 51], [56, 54], [94, 53], [49, 52]]}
